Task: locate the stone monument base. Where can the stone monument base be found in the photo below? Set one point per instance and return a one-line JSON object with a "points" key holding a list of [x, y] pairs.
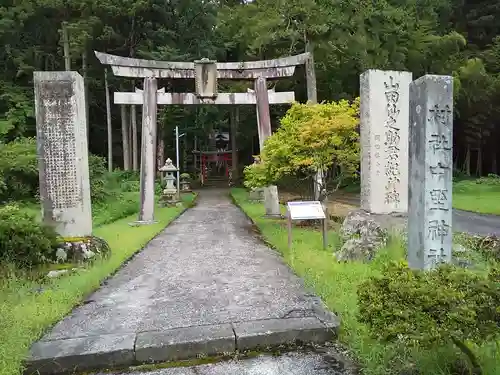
{"points": [[272, 216], [81, 249]]}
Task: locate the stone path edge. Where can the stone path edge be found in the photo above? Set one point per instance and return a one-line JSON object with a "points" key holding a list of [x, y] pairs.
{"points": [[320, 309], [53, 367], [69, 356]]}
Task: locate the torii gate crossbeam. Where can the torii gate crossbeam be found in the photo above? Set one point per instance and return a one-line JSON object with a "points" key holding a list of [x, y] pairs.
{"points": [[205, 73]]}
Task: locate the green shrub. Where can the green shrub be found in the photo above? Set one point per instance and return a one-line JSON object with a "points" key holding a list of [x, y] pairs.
{"points": [[130, 186], [18, 170], [24, 241], [429, 309], [116, 207], [487, 246], [491, 179], [97, 175]]}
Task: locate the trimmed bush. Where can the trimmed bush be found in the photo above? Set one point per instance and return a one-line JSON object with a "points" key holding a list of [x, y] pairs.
{"points": [[429, 309], [24, 241]]}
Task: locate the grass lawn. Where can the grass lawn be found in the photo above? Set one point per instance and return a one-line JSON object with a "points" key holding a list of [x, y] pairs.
{"points": [[478, 197], [28, 307], [112, 209], [337, 284]]}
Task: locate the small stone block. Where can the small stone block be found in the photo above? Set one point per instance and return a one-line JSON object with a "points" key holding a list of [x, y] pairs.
{"points": [[83, 353], [184, 343], [274, 332]]}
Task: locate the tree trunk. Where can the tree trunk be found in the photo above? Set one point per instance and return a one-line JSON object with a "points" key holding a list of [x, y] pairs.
{"points": [[494, 165], [108, 118], [160, 149], [479, 166], [135, 153], [195, 156], [184, 154], [467, 160], [86, 89], [125, 140], [234, 119], [67, 56]]}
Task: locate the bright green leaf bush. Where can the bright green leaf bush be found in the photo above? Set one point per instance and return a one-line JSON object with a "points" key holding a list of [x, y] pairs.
{"points": [[429, 309], [24, 241], [311, 137]]}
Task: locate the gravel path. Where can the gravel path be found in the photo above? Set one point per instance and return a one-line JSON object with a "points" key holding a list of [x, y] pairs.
{"points": [[286, 364]]}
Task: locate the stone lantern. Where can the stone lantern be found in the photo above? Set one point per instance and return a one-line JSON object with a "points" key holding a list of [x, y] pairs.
{"points": [[169, 194]]}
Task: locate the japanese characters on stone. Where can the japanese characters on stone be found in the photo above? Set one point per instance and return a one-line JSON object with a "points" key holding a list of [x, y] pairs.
{"points": [[439, 141], [392, 142], [430, 169]]}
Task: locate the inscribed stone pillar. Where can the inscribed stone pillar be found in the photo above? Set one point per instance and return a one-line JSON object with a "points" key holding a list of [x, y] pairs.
{"points": [[147, 204], [431, 158], [384, 141], [61, 129], [271, 199]]}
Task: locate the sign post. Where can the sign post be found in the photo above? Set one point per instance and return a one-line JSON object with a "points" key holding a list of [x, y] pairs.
{"points": [[307, 210]]}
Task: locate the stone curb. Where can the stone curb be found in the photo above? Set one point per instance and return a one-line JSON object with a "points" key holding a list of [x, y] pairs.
{"points": [[72, 355]]}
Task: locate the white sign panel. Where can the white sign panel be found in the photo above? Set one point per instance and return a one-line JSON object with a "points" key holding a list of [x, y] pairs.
{"points": [[308, 210]]}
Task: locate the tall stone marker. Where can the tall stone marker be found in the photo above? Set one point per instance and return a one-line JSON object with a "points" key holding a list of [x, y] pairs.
{"points": [[384, 141], [61, 129], [430, 188]]}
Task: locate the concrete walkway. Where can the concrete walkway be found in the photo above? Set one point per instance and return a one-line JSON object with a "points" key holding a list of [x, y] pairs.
{"points": [[205, 286]]}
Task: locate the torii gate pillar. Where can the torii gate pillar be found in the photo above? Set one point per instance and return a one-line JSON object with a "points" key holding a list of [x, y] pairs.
{"points": [[271, 200], [148, 148]]}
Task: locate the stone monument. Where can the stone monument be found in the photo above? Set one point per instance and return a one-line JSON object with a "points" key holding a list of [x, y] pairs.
{"points": [[384, 141], [61, 129], [169, 194], [430, 168]]}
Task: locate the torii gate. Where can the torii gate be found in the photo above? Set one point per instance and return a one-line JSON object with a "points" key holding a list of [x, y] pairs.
{"points": [[206, 73]]}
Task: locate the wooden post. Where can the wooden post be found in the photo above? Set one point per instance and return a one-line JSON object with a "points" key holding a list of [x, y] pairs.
{"points": [[133, 116], [125, 138], [312, 94], [234, 119], [108, 119], [325, 228], [289, 227], [271, 200], [66, 52], [312, 97]]}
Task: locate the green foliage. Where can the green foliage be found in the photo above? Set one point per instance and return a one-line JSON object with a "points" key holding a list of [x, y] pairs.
{"points": [[97, 175], [491, 179], [311, 137], [487, 246], [430, 309], [24, 241], [18, 170]]}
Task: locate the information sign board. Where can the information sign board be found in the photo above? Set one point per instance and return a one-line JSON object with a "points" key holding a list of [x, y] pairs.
{"points": [[308, 210]]}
